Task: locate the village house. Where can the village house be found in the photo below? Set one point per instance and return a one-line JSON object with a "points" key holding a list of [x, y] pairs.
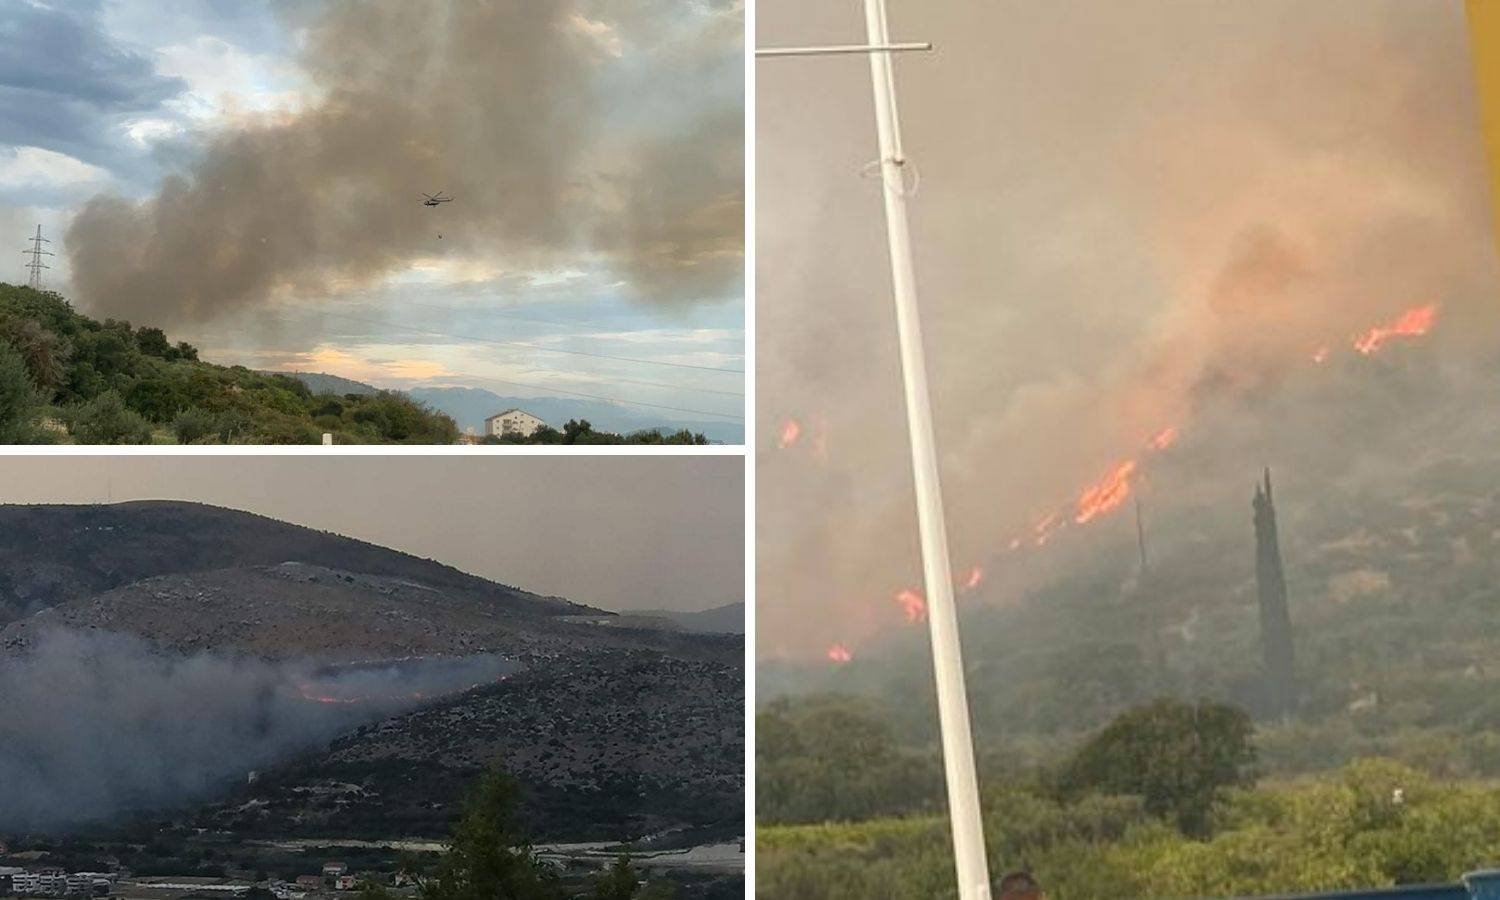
{"points": [[512, 421]]}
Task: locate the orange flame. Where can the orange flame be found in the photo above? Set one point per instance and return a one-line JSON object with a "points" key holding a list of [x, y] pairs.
{"points": [[839, 653], [1044, 529], [1107, 494], [1415, 322], [791, 429], [308, 692], [1164, 438], [912, 604]]}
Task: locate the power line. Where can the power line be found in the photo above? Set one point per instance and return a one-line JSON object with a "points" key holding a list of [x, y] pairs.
{"points": [[659, 384], [577, 323], [529, 346], [656, 384], [662, 384], [36, 253]]}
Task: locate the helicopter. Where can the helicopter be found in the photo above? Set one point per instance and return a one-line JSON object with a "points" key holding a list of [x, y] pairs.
{"points": [[435, 199]]}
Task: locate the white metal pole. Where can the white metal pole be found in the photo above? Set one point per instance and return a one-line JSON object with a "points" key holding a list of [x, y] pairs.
{"points": [[942, 616]]}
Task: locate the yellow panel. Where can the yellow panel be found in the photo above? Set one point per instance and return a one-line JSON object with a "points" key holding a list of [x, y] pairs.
{"points": [[1484, 33]]}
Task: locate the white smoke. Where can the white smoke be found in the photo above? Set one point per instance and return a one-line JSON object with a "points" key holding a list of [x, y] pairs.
{"points": [[96, 724]]}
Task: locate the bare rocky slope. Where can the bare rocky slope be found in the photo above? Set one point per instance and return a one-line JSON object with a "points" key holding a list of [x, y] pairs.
{"points": [[298, 610], [612, 745], [616, 726], [50, 554]]}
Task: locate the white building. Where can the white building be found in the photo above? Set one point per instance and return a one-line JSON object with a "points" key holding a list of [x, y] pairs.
{"points": [[47, 883], [512, 421]]}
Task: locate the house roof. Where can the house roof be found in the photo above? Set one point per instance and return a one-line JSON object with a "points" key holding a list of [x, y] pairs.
{"points": [[511, 410]]}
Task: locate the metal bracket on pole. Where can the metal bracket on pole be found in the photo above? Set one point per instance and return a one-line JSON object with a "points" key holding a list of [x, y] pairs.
{"points": [[970, 864], [833, 49]]}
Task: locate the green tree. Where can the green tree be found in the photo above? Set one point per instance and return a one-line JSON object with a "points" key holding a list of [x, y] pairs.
{"points": [[618, 882], [193, 424], [488, 858], [1178, 757], [833, 757], [577, 431], [153, 342], [157, 397], [19, 401], [45, 353], [107, 420]]}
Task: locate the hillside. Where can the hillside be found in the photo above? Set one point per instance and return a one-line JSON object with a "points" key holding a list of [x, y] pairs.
{"points": [[1392, 588], [323, 383], [67, 377], [300, 611], [608, 745], [281, 638], [1389, 527], [50, 554]]}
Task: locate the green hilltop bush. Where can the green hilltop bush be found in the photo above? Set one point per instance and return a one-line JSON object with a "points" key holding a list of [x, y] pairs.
{"points": [[1373, 823], [581, 431], [1158, 803], [109, 382]]}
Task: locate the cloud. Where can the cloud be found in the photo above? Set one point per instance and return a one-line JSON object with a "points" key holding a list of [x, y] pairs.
{"points": [[602, 33], [66, 84], [364, 365], [633, 164], [32, 167], [225, 81]]}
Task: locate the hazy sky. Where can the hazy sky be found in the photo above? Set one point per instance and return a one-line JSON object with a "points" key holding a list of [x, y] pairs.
{"points": [[249, 174], [1127, 214], [615, 532]]}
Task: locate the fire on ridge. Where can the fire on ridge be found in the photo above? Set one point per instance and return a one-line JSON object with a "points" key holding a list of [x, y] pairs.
{"points": [[1111, 491]]}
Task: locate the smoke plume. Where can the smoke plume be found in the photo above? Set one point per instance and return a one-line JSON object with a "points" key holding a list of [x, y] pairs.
{"points": [[594, 133], [97, 724], [1131, 216]]}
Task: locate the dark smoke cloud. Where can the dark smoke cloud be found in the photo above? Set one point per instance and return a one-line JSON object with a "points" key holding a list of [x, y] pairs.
{"points": [[97, 724], [572, 134]]}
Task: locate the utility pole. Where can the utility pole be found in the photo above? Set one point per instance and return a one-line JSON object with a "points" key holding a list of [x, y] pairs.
{"points": [[36, 253], [942, 616]]}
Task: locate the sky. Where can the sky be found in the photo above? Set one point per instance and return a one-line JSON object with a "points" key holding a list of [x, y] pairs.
{"points": [[250, 176], [1126, 216], [620, 533]]}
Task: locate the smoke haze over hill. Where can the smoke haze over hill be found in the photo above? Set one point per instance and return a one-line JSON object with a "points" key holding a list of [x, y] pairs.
{"points": [[99, 723], [1132, 217]]}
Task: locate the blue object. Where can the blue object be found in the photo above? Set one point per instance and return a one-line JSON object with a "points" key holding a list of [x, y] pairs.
{"points": [[1481, 885]]}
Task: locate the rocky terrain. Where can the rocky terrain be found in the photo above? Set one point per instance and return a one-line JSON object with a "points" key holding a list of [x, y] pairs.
{"points": [[50, 554], [609, 746], [616, 726]]}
